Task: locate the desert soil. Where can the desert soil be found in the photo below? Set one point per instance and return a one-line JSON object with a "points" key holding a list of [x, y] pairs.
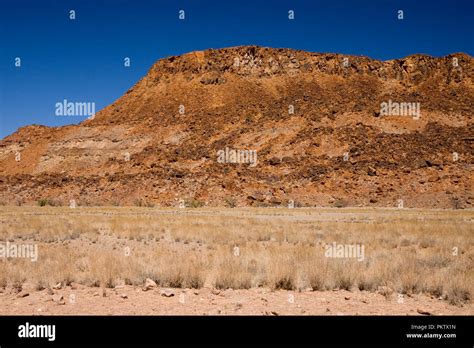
{"points": [[129, 300]]}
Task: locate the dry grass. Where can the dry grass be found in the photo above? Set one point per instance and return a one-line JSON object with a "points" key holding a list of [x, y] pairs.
{"points": [[406, 251]]}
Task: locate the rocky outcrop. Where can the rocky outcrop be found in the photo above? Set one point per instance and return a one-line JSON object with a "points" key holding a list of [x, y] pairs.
{"points": [[313, 121]]}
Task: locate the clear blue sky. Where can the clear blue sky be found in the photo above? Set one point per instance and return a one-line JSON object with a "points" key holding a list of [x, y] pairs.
{"points": [[82, 59]]}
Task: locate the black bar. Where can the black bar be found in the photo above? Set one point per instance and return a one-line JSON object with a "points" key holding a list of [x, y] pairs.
{"points": [[213, 330]]}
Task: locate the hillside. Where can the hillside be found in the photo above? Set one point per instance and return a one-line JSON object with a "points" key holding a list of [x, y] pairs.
{"points": [[315, 125]]}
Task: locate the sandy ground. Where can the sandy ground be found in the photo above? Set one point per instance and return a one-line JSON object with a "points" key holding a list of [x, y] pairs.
{"points": [[129, 300]]}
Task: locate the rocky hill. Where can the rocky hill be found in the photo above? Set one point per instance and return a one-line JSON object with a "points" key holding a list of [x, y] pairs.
{"points": [[314, 124]]}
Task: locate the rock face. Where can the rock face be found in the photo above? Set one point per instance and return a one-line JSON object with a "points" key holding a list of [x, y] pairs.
{"points": [[261, 126]]}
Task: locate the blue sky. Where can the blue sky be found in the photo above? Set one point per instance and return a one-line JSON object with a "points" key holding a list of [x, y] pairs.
{"points": [[82, 59]]}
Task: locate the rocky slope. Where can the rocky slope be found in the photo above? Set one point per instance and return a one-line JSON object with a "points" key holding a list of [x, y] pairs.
{"points": [[313, 119]]}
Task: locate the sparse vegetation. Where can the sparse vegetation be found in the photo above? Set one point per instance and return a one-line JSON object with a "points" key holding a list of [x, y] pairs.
{"points": [[49, 201], [194, 203], [340, 203], [177, 248], [230, 202], [42, 202], [142, 202]]}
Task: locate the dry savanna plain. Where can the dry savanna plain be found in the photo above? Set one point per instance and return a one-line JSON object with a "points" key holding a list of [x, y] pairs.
{"points": [[236, 261]]}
